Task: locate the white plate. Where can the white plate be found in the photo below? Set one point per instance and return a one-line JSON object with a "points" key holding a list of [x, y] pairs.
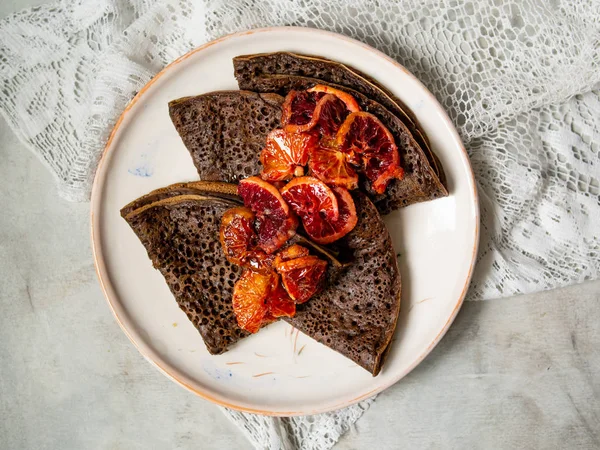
{"points": [[267, 373]]}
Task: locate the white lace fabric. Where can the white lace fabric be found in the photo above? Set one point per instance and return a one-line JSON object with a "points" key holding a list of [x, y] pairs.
{"points": [[520, 79]]}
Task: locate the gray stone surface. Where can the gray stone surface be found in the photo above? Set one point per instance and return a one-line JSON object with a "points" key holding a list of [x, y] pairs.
{"points": [[514, 373], [69, 377]]}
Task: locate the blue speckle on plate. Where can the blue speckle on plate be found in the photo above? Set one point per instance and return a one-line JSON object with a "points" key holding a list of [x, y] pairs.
{"points": [[419, 105], [143, 167], [142, 171], [218, 373]]}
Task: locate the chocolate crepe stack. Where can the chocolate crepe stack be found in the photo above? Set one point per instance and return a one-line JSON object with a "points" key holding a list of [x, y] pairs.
{"points": [[225, 131]]}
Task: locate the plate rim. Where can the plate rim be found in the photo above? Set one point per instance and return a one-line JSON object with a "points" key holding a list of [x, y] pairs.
{"points": [[106, 284]]}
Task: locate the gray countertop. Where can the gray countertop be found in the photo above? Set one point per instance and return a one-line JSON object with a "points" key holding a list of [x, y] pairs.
{"points": [[512, 373]]}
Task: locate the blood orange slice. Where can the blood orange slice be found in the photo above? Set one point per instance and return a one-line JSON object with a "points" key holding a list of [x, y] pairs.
{"points": [[328, 117], [285, 154], [279, 303], [302, 277], [249, 299], [347, 219], [298, 109], [238, 240], [311, 200], [332, 110], [237, 234], [314, 202], [369, 144], [320, 107], [275, 223], [349, 101], [332, 167]]}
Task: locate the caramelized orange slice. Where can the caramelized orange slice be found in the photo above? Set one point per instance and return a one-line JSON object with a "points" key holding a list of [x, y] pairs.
{"points": [[275, 223], [370, 146], [285, 154]]}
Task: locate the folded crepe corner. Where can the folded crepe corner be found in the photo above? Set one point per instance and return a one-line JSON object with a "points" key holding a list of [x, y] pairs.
{"points": [[225, 131], [180, 231]]}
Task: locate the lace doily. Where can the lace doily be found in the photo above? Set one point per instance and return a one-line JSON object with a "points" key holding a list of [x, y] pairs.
{"points": [[316, 432], [518, 78]]}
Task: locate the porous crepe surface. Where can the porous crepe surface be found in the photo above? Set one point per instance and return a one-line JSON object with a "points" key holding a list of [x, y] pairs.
{"points": [[181, 236], [225, 131], [357, 314]]}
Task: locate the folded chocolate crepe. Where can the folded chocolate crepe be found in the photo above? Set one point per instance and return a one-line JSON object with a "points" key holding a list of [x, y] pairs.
{"points": [[225, 131], [250, 71], [181, 235], [248, 67], [422, 174], [355, 314]]}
